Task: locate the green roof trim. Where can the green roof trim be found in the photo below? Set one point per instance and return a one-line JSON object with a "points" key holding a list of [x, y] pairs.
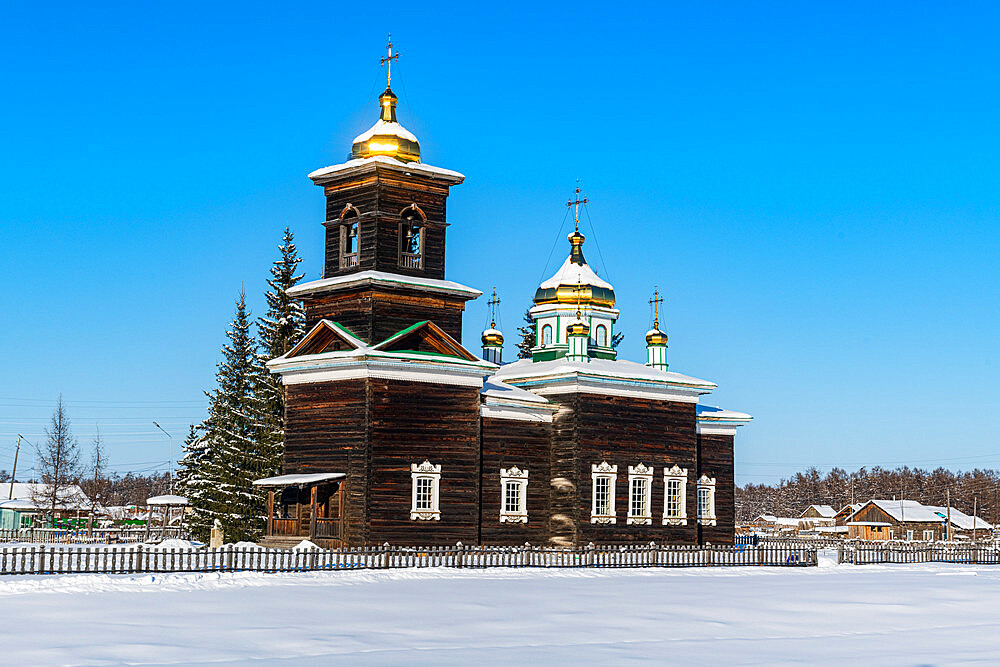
{"points": [[400, 334]]}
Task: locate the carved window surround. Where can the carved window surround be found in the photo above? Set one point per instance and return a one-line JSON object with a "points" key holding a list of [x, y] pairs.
{"points": [[426, 492], [706, 501], [513, 495], [640, 486], [675, 496], [602, 506]]}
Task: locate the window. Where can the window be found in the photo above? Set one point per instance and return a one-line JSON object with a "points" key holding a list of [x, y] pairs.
{"points": [[411, 238], [547, 335], [706, 501], [928, 536], [349, 237], [640, 483], [675, 496], [426, 490], [602, 508], [601, 336], [909, 536], [514, 491]]}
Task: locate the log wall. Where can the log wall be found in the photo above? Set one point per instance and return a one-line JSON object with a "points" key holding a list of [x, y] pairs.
{"points": [[507, 443], [411, 422], [624, 432], [715, 459]]}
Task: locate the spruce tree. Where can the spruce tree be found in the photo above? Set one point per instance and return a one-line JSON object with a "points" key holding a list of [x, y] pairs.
{"points": [[279, 330], [233, 430], [527, 336], [192, 482]]}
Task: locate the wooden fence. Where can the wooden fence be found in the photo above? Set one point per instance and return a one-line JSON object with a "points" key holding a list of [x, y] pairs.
{"points": [[127, 535], [133, 559], [868, 553]]}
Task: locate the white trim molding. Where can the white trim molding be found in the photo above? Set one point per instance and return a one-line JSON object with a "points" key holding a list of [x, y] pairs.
{"points": [[607, 475], [676, 477], [706, 484], [426, 478], [518, 478], [640, 475]]}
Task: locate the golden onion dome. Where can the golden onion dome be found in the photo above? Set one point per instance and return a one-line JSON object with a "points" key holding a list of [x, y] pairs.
{"points": [[578, 327], [656, 337], [387, 137], [492, 338], [575, 282]]}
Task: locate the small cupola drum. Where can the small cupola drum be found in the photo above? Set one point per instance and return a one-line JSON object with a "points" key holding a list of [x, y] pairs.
{"points": [[578, 336], [492, 338], [656, 340]]}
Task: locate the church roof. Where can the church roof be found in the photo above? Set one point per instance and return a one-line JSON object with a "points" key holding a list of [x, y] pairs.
{"points": [[361, 164], [602, 376], [387, 137], [381, 278]]}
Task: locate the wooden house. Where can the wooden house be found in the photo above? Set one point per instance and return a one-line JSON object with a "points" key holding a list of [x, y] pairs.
{"points": [[818, 512], [910, 520], [395, 432]]}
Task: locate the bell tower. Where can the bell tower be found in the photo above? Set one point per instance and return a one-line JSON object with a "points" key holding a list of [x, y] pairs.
{"points": [[386, 217]]}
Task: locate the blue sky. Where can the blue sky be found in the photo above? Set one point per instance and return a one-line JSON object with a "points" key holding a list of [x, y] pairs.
{"points": [[813, 188]]}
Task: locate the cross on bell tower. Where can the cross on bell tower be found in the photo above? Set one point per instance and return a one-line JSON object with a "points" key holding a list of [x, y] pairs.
{"points": [[493, 303], [655, 303], [388, 62], [492, 338]]}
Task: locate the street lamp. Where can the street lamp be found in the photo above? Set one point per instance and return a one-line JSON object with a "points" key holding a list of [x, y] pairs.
{"points": [[171, 438]]}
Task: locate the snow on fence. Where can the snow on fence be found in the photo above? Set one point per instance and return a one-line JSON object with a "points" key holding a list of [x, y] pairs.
{"points": [[131, 534], [39, 559], [874, 552]]}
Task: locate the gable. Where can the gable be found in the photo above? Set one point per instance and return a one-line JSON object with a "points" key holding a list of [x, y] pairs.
{"points": [[872, 513], [425, 338], [326, 336]]}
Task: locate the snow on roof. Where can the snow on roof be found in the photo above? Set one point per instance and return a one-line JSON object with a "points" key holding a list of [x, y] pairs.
{"points": [[383, 278], [824, 511], [525, 369], [17, 505], [715, 413], [167, 500], [571, 273], [383, 127], [392, 163], [496, 389], [299, 480], [70, 497], [906, 511]]}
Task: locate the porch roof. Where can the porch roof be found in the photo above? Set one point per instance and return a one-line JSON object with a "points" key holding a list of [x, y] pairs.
{"points": [[299, 480]]}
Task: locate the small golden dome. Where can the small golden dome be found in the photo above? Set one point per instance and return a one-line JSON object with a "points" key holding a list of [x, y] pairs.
{"points": [[656, 337], [387, 137], [492, 338], [578, 327]]}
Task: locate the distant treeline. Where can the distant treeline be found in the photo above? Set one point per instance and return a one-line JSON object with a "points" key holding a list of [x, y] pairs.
{"points": [[838, 488]]}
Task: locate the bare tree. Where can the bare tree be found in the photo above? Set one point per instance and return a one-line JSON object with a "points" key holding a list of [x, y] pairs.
{"points": [[58, 459]]}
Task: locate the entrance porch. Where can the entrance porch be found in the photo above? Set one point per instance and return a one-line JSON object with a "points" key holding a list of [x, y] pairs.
{"points": [[304, 507]]}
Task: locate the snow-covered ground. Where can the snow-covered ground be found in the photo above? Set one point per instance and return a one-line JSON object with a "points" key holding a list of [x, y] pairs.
{"points": [[902, 614]]}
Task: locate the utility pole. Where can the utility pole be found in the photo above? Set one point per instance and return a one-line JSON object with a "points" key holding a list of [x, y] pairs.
{"points": [[171, 438], [948, 527], [975, 511], [13, 475]]}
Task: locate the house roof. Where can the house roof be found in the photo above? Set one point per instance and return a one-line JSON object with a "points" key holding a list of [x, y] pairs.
{"points": [[906, 511], [71, 497], [825, 511]]}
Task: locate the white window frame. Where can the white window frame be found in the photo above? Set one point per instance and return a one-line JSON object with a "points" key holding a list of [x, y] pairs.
{"points": [[640, 473], [909, 535], [517, 477], [706, 483], [432, 472], [546, 329], [609, 472], [929, 535], [679, 475]]}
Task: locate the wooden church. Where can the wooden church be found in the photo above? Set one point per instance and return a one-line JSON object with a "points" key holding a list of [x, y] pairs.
{"points": [[397, 433]]}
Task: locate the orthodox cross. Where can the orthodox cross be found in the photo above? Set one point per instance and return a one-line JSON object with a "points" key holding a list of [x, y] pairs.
{"points": [[493, 303], [388, 61], [655, 303], [577, 203]]}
